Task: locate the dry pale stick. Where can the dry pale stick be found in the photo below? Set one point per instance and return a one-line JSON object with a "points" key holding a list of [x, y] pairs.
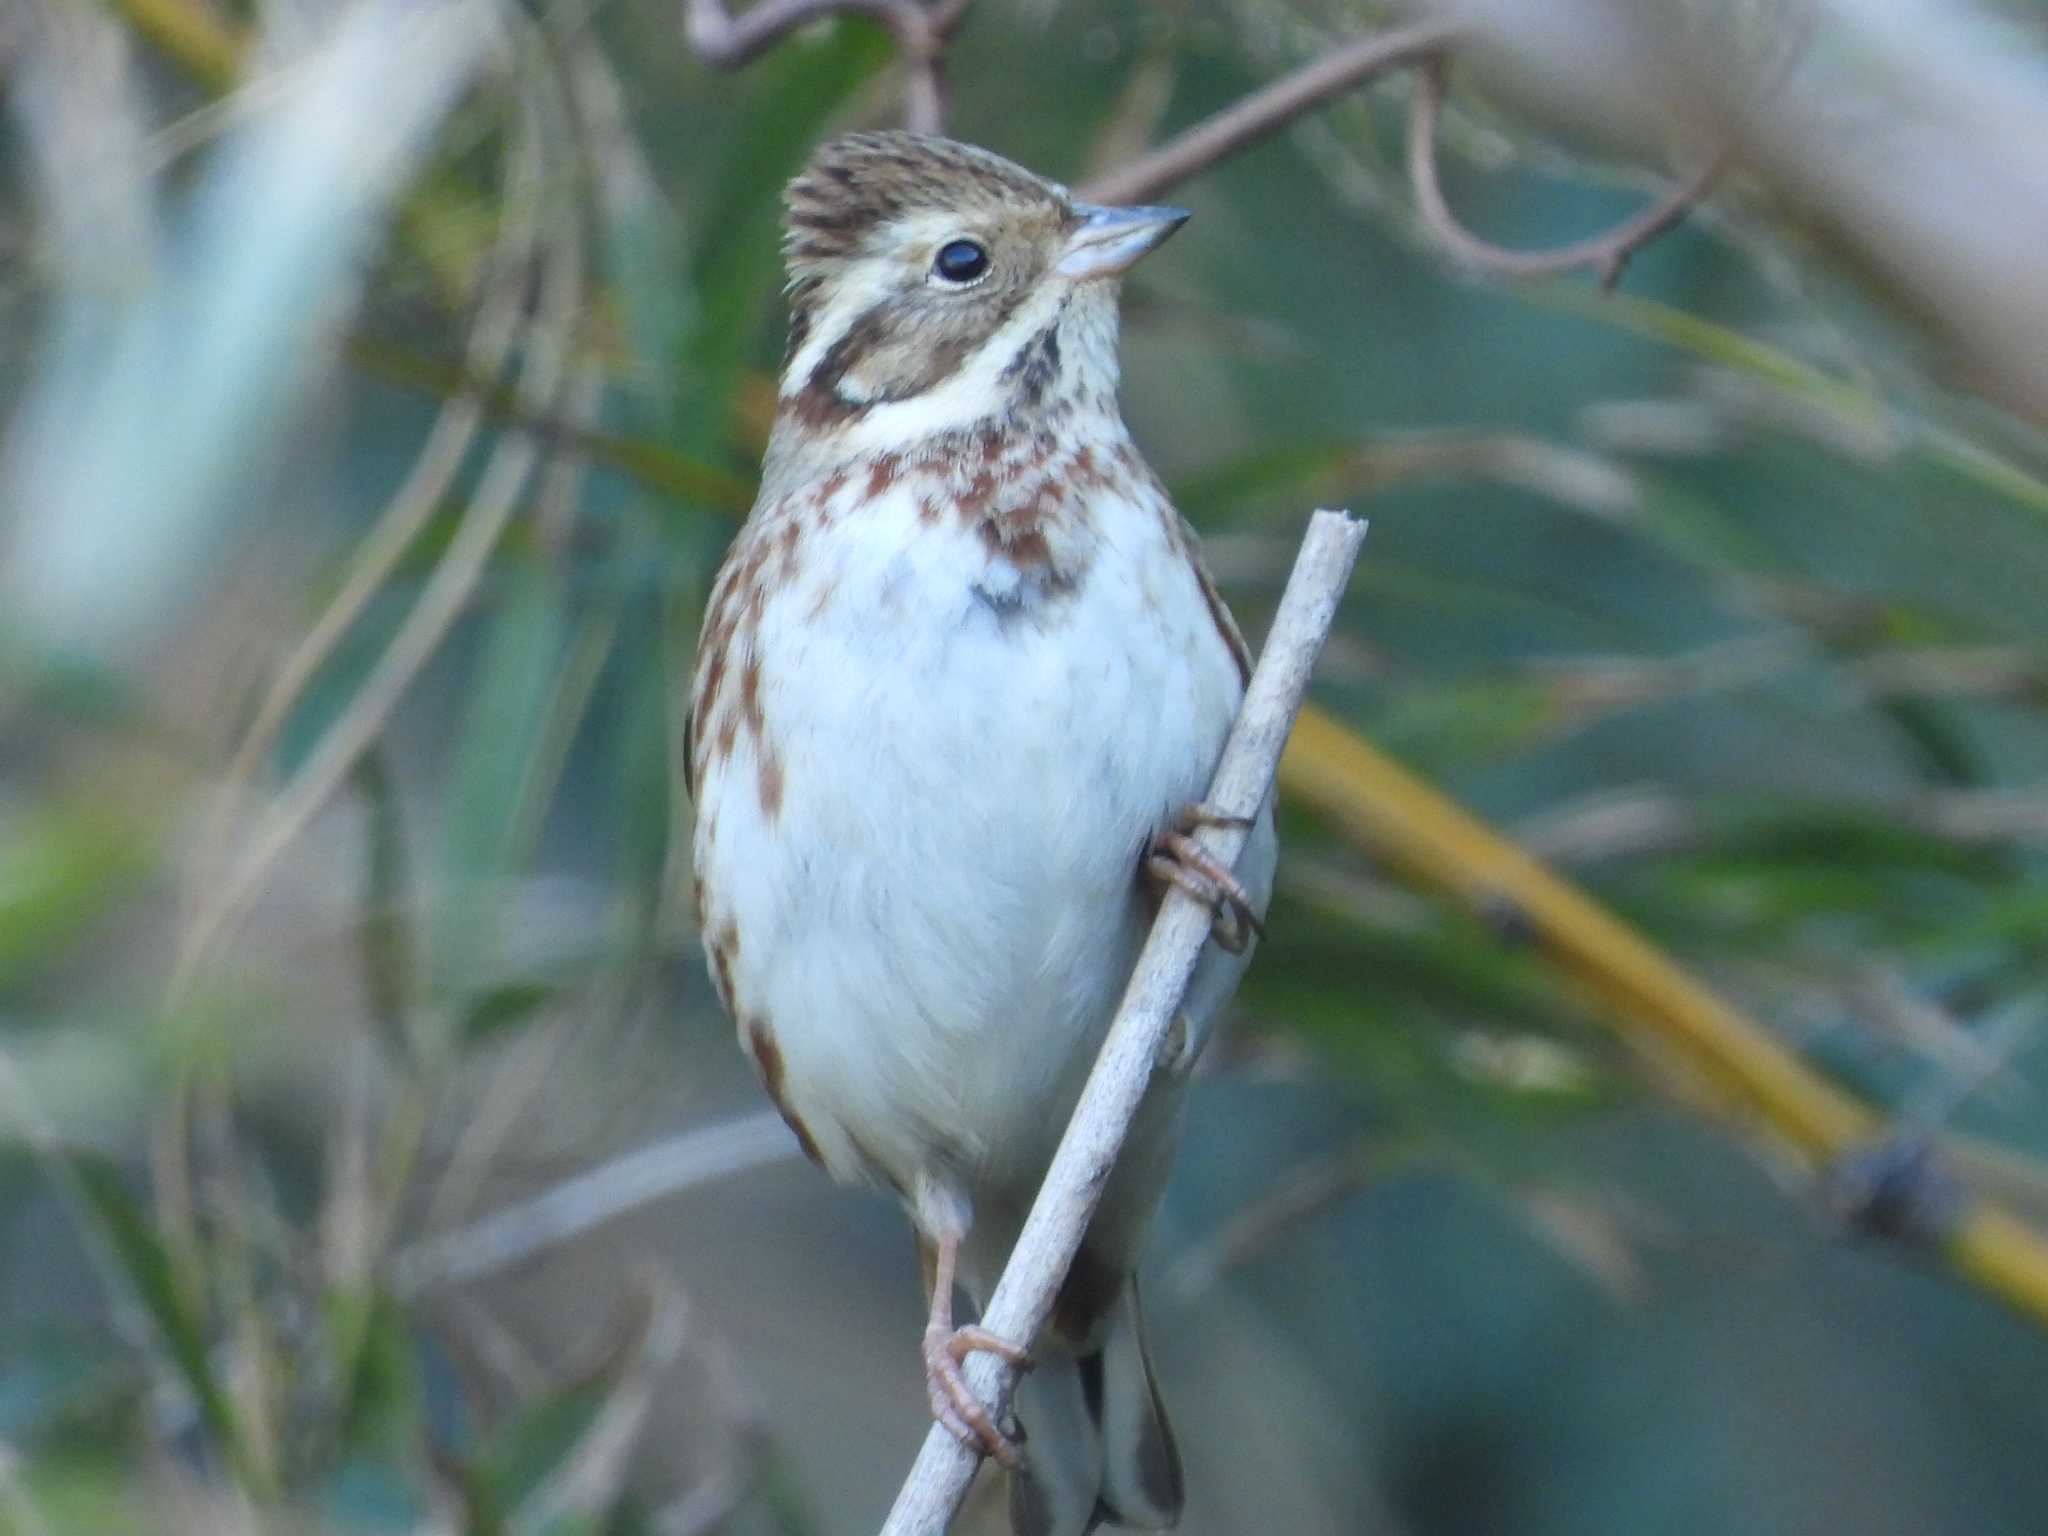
{"points": [[1052, 1233]]}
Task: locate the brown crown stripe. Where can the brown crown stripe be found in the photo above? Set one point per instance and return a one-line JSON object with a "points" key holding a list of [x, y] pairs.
{"points": [[861, 181]]}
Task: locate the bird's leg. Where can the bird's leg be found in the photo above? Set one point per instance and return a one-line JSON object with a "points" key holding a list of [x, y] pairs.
{"points": [[947, 1347], [1173, 857]]}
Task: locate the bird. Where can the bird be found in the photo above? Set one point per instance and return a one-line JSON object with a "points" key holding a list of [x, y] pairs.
{"points": [[960, 687]]}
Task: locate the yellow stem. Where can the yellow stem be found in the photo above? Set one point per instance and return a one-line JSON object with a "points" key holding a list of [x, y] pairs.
{"points": [[1424, 834], [201, 43]]}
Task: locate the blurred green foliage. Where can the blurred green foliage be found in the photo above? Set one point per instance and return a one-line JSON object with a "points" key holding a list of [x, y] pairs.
{"points": [[1711, 589]]}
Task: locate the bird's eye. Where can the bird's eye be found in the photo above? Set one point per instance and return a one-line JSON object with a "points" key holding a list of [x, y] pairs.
{"points": [[960, 261]]}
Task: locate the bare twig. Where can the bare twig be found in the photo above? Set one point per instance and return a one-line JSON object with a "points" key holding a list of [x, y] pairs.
{"points": [[1268, 110], [1052, 1233], [499, 314], [1605, 255], [725, 41], [446, 594], [1302, 1192], [576, 1205], [589, 1479]]}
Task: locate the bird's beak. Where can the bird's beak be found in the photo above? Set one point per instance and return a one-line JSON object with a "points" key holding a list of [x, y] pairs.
{"points": [[1110, 239]]}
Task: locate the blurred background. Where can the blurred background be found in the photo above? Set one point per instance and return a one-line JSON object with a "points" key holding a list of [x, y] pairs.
{"points": [[379, 385]]}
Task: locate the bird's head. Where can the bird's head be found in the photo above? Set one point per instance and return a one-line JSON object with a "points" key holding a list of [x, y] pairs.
{"points": [[934, 285]]}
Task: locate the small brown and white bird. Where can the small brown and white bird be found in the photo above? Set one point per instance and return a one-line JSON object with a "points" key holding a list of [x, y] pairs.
{"points": [[961, 685]]}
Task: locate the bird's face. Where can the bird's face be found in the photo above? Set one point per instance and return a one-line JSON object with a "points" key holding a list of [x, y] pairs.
{"points": [[941, 285]]}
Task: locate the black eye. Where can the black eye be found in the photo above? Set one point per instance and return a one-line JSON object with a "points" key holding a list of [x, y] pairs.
{"points": [[960, 261]]}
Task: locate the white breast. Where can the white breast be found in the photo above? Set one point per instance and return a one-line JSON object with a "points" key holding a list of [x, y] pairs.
{"points": [[937, 920]]}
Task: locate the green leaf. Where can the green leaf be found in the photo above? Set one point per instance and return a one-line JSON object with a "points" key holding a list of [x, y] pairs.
{"points": [[379, 1410], [69, 862], [147, 1269], [508, 707], [1271, 472], [536, 1443], [384, 931], [501, 1008]]}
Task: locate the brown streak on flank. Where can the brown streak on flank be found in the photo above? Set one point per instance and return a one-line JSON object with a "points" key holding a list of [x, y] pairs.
{"points": [[832, 485], [709, 681], [746, 574], [770, 784], [728, 738], [1219, 611], [724, 945], [823, 600], [883, 475], [750, 694], [927, 510], [768, 1062]]}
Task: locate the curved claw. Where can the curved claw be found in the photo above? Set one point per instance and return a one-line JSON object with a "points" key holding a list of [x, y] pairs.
{"points": [[953, 1401], [1176, 858]]}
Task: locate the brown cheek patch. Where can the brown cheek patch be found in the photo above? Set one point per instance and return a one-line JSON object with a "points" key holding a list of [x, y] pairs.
{"points": [[904, 347], [818, 410]]}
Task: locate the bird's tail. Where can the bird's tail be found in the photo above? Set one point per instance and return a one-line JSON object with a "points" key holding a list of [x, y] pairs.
{"points": [[1097, 1445]]}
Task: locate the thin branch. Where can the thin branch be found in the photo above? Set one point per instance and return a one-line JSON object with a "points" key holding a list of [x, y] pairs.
{"points": [[575, 1206], [586, 1483], [446, 594], [1605, 254], [725, 41], [499, 314], [1023, 1297], [1267, 110], [653, 465]]}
